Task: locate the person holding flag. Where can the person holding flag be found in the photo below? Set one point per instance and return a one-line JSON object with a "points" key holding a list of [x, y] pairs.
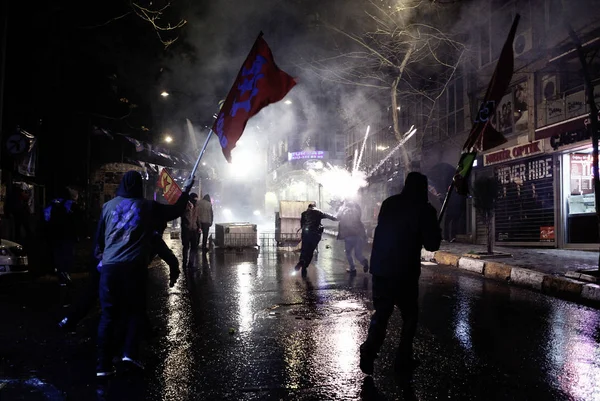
{"points": [[125, 239]]}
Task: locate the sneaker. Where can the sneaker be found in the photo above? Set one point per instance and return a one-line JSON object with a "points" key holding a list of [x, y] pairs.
{"points": [[132, 362], [366, 266], [67, 325], [104, 369], [351, 270], [367, 361]]}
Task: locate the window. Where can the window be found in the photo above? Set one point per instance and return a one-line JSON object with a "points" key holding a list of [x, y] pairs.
{"points": [[492, 34], [451, 106]]}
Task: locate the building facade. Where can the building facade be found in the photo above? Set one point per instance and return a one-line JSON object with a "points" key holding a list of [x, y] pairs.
{"points": [[544, 171]]}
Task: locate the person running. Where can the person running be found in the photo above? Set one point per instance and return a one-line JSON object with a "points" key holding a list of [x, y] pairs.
{"points": [[312, 230], [352, 231], [406, 223]]}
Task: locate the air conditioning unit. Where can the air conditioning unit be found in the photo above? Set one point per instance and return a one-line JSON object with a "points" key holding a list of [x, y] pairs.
{"points": [[523, 42], [549, 87]]}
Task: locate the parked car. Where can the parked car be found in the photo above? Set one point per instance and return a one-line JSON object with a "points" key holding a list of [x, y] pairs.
{"points": [[13, 258]]}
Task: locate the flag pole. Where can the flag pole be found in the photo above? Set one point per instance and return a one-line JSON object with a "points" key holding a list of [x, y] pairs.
{"points": [[193, 173], [446, 200]]}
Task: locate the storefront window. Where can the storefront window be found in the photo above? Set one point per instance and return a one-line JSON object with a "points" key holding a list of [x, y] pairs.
{"points": [[578, 190]]}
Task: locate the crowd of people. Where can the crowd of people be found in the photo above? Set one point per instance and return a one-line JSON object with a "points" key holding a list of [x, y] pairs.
{"points": [[130, 234]]}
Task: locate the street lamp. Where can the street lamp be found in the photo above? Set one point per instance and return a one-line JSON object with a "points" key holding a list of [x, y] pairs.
{"points": [[164, 93], [168, 139]]}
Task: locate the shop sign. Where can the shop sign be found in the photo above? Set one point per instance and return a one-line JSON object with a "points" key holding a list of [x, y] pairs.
{"points": [[576, 104], [310, 154], [513, 153], [520, 173], [547, 234]]}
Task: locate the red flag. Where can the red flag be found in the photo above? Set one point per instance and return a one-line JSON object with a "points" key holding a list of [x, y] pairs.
{"points": [[259, 83], [171, 190], [483, 136]]}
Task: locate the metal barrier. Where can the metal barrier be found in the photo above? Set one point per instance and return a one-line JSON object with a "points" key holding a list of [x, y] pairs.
{"points": [[267, 241]]}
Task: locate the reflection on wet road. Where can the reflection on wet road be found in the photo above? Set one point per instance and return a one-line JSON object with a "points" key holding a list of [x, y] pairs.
{"points": [[245, 326]]}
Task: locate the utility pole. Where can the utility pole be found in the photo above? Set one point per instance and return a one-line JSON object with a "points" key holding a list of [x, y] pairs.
{"points": [[3, 61], [589, 91]]}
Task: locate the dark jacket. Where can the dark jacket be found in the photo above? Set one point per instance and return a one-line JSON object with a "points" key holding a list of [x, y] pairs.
{"points": [[310, 220], [129, 222], [406, 223], [350, 222]]}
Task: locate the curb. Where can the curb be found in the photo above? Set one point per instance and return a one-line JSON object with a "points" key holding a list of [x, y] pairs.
{"points": [[557, 286]]}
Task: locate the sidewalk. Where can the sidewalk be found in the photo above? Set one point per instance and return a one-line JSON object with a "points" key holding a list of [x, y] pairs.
{"points": [[551, 271]]}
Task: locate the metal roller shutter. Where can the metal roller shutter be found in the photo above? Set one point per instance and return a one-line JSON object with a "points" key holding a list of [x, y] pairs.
{"points": [[525, 210]]}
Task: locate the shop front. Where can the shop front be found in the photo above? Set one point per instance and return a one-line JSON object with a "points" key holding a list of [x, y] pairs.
{"points": [[525, 209], [577, 226]]}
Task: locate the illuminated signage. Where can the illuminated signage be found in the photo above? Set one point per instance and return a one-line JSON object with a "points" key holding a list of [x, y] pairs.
{"points": [[309, 154], [515, 152]]}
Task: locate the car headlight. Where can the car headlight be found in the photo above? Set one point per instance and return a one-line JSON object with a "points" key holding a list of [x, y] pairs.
{"points": [[18, 251]]}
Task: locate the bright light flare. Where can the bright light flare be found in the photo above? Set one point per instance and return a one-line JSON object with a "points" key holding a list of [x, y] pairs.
{"points": [[288, 102], [407, 136], [164, 94], [340, 182], [257, 213], [227, 213], [168, 139]]}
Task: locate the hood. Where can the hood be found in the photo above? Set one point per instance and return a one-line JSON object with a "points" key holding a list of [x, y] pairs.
{"points": [[206, 197], [131, 185], [415, 187]]}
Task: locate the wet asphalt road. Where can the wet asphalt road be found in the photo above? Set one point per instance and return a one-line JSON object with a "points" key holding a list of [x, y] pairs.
{"points": [[243, 326]]}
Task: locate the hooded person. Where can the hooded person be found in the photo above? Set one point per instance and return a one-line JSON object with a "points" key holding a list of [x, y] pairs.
{"points": [[190, 228], [312, 230], [205, 213], [124, 245], [63, 227], [406, 223], [352, 231]]}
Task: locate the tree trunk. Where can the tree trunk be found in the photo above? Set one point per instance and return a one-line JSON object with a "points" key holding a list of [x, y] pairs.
{"points": [[589, 89]]}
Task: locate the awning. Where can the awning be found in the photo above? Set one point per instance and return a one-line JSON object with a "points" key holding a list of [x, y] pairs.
{"points": [[572, 124]]}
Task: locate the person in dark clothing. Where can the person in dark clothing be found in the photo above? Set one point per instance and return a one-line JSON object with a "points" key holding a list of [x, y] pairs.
{"points": [[352, 231], [312, 229], [190, 228], [406, 223], [125, 237], [63, 226]]}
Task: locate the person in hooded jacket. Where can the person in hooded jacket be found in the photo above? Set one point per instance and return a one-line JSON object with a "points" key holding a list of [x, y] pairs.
{"points": [[190, 228], [312, 230], [352, 231], [406, 223], [125, 239], [63, 226], [205, 213]]}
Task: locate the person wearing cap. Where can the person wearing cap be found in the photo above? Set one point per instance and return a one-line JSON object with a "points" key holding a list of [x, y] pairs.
{"points": [[312, 230], [124, 238]]}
